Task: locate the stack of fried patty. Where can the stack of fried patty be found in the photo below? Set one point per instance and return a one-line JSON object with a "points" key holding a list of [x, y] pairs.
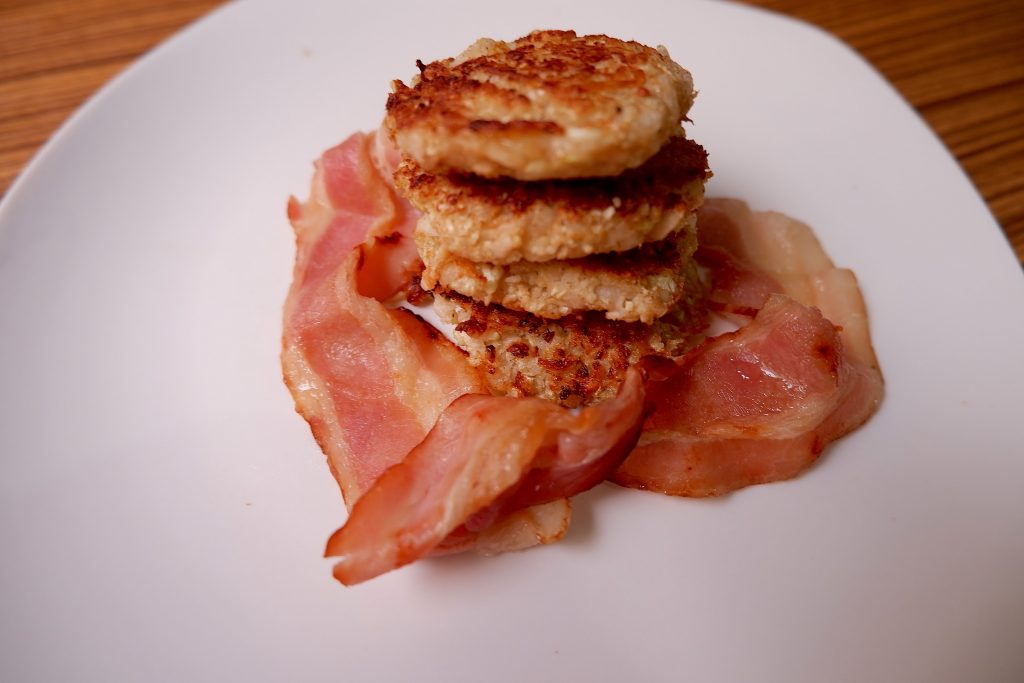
{"points": [[558, 195]]}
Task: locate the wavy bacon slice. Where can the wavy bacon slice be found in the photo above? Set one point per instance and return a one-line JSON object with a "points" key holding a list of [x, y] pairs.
{"points": [[754, 255], [760, 404], [486, 455], [372, 380], [750, 407]]}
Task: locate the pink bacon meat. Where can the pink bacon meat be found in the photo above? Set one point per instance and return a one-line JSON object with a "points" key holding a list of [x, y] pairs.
{"points": [[372, 381], [428, 463], [487, 454], [760, 404]]}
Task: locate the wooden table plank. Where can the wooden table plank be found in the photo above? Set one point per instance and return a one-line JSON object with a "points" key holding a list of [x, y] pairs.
{"points": [[959, 62]]}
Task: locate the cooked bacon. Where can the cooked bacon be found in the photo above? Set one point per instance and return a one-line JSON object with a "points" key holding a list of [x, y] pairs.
{"points": [[487, 455], [429, 464], [351, 204], [736, 287], [760, 404], [754, 255], [372, 381], [750, 407]]}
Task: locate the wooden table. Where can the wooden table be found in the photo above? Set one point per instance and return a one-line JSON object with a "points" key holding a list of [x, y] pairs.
{"points": [[960, 63]]}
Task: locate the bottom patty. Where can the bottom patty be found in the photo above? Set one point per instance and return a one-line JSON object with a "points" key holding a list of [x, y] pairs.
{"points": [[576, 360]]}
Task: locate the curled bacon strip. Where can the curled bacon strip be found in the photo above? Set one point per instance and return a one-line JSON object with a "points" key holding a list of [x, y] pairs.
{"points": [[487, 454], [372, 381], [770, 253], [753, 406], [760, 404]]}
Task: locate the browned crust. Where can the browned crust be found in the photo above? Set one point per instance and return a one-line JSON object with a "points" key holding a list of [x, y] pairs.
{"points": [[657, 184], [588, 328], [640, 284], [572, 70], [576, 106], [605, 349], [580, 358], [648, 259]]}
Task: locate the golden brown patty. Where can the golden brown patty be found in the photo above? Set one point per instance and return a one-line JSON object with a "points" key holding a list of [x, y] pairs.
{"points": [[549, 105], [503, 221], [641, 284], [575, 360]]}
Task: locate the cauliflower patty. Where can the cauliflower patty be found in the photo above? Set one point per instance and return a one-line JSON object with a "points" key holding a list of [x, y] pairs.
{"points": [[641, 284], [549, 105], [503, 221], [576, 360]]}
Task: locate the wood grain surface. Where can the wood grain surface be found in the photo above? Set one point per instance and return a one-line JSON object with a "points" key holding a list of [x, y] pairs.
{"points": [[960, 63]]}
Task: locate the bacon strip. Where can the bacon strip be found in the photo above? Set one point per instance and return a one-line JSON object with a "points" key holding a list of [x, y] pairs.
{"points": [[752, 256], [486, 455], [750, 407], [372, 381], [760, 404]]}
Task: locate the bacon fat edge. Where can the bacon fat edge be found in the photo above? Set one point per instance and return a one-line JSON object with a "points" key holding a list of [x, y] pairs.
{"points": [[487, 454]]}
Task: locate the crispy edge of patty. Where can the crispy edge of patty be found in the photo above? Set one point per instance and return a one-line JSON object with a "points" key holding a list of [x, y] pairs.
{"points": [[551, 104], [642, 284], [503, 221], [576, 360]]}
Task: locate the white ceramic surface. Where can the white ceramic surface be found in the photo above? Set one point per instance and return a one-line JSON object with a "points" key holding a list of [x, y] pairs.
{"points": [[163, 510]]}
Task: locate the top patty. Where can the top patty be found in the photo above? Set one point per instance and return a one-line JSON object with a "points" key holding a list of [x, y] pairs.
{"points": [[502, 221], [549, 105]]}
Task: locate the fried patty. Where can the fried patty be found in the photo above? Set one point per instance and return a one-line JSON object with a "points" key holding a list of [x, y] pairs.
{"points": [[641, 284], [503, 221], [576, 360], [549, 105]]}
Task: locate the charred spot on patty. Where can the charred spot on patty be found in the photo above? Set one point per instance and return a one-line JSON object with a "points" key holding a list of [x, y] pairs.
{"points": [[575, 360], [656, 183]]}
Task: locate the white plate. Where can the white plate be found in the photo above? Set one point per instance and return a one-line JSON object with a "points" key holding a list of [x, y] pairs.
{"points": [[163, 509]]}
